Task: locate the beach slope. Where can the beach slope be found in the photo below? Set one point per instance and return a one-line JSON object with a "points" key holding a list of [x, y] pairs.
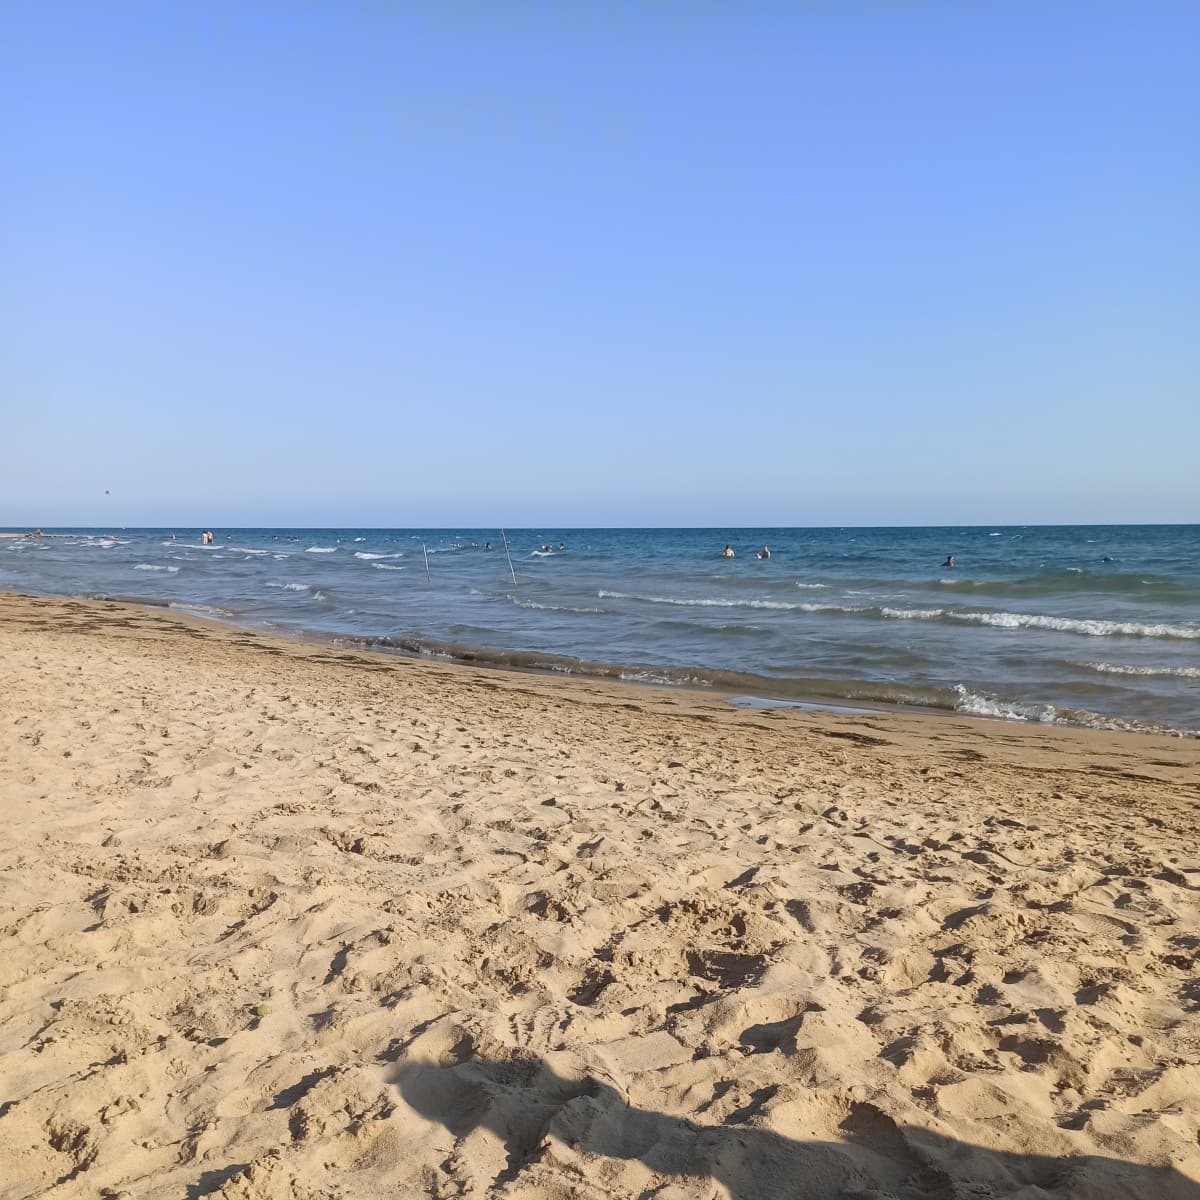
{"points": [[285, 921]]}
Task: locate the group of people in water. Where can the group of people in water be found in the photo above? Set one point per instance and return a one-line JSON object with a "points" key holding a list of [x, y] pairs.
{"points": [[765, 552]]}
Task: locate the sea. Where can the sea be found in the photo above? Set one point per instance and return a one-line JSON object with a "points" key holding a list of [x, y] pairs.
{"points": [[1078, 625]]}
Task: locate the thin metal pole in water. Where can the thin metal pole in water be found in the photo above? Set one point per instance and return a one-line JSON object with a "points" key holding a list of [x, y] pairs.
{"points": [[428, 579], [509, 557]]}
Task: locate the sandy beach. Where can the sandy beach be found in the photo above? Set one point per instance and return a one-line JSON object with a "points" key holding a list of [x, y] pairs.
{"points": [[281, 920]]}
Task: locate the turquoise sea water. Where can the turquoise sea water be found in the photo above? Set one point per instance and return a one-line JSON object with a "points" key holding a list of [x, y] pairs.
{"points": [[1094, 625]]}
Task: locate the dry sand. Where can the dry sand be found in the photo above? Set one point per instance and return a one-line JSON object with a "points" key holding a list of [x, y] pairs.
{"points": [[280, 921]]}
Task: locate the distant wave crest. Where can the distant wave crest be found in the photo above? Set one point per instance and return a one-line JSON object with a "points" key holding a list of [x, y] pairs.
{"points": [[1084, 626]]}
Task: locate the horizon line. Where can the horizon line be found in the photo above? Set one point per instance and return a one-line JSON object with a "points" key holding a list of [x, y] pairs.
{"points": [[589, 528]]}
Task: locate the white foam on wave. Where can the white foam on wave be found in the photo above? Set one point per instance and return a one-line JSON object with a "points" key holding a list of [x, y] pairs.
{"points": [[247, 550], [520, 602], [662, 680], [977, 705], [288, 587], [1120, 669], [155, 567], [207, 610], [321, 550], [366, 556], [814, 586], [387, 567], [913, 614], [722, 603], [1089, 627]]}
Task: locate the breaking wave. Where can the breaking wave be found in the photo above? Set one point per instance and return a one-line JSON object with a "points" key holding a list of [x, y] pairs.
{"points": [[1088, 627], [681, 602], [976, 705], [1165, 672], [1085, 626]]}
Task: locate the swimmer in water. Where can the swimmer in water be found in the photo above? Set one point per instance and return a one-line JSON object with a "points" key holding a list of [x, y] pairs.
{"points": [[727, 552], [765, 552], [949, 561]]}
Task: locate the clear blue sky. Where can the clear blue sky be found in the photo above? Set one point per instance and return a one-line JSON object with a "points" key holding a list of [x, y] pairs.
{"points": [[805, 262]]}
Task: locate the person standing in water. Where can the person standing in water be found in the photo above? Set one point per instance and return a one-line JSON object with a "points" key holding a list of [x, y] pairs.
{"points": [[949, 561], [727, 552], [765, 552]]}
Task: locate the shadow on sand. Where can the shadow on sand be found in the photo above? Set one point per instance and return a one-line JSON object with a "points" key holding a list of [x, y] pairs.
{"points": [[533, 1110]]}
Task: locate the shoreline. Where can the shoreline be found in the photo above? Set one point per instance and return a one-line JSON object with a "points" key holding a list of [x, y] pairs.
{"points": [[671, 698], [285, 919], [721, 684]]}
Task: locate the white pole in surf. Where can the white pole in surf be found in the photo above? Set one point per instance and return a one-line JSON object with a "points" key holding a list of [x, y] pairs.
{"points": [[509, 557], [428, 579]]}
